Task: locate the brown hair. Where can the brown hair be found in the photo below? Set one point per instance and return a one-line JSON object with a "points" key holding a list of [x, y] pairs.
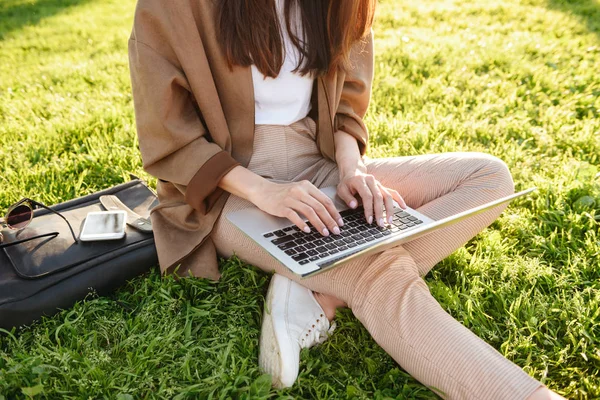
{"points": [[250, 32]]}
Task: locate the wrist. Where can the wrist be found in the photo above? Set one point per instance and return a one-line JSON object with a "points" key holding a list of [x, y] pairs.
{"points": [[351, 167], [261, 186]]}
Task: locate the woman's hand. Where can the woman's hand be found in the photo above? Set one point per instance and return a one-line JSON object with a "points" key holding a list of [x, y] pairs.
{"points": [[289, 199], [374, 195]]}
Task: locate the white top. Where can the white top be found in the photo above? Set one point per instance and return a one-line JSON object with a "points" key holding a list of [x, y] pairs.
{"points": [[285, 99]]}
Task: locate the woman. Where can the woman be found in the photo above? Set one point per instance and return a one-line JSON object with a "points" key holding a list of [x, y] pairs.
{"points": [[260, 102]]}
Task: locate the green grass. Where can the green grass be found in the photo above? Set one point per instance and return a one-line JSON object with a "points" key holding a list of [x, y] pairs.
{"points": [[518, 79]]}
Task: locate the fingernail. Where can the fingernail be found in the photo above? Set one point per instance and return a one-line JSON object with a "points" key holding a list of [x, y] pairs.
{"points": [[381, 222], [325, 232], [390, 219], [306, 229], [371, 219], [353, 204], [340, 222], [336, 230]]}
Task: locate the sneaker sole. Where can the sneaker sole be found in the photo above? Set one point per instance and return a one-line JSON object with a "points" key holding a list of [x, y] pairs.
{"points": [[270, 361]]}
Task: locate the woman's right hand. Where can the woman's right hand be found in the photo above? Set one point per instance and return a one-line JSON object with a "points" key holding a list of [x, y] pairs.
{"points": [[288, 200]]}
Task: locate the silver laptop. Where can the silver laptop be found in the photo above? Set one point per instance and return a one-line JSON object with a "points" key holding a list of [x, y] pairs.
{"points": [[307, 254]]}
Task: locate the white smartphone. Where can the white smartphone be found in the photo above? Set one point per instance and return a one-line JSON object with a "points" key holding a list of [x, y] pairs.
{"points": [[103, 225]]}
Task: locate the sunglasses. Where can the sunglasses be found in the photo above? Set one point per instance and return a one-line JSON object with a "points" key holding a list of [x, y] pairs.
{"points": [[19, 216]]}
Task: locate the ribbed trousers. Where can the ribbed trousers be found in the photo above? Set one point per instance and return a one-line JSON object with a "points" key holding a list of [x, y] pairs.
{"points": [[386, 291]]}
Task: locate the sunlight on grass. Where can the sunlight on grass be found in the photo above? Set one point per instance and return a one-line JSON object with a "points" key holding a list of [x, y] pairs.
{"points": [[518, 79]]}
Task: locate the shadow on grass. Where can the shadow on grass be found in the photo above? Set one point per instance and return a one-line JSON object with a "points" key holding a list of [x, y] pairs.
{"points": [[16, 14], [588, 11]]}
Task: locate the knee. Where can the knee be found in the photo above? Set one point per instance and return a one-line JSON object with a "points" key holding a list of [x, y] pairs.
{"points": [[496, 174]]}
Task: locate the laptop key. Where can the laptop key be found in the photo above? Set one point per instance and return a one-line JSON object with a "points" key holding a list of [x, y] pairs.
{"points": [[268, 235], [365, 234], [370, 238], [290, 252], [281, 240], [323, 255], [319, 242], [356, 237], [348, 240], [328, 239], [417, 222], [352, 244], [300, 248], [334, 251], [354, 231], [312, 252], [310, 246], [361, 242], [321, 249], [379, 235], [342, 248], [314, 258], [279, 233], [330, 246], [387, 233], [347, 212], [410, 224], [300, 256], [340, 242], [289, 228], [287, 245], [303, 262]]}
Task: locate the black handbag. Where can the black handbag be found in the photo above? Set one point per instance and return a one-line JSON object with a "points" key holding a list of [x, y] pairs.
{"points": [[42, 276]]}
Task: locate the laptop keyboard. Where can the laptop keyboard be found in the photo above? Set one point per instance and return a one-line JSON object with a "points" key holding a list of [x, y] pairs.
{"points": [[307, 247]]}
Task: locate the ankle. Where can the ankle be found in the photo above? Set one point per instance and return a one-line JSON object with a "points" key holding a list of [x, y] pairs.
{"points": [[329, 304]]}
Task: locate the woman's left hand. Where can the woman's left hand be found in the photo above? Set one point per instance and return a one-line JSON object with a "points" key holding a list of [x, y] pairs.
{"points": [[375, 197]]}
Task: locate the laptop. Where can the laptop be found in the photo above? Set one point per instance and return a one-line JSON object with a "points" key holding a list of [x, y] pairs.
{"points": [[307, 254]]}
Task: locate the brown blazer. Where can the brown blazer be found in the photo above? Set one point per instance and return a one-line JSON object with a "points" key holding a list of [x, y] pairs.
{"points": [[195, 121]]}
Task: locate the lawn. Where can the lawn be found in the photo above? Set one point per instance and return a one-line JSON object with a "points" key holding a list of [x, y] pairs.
{"points": [[519, 79]]}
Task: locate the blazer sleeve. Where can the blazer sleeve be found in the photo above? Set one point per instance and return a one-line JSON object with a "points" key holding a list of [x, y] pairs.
{"points": [[356, 93], [173, 141]]}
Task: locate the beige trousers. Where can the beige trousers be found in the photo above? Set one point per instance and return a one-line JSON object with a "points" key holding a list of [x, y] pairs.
{"points": [[386, 291]]}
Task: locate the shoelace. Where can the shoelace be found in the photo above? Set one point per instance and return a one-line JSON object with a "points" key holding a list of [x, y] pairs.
{"points": [[317, 334]]}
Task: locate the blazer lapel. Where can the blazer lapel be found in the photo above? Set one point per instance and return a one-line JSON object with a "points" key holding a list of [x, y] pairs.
{"points": [[237, 94], [235, 89]]}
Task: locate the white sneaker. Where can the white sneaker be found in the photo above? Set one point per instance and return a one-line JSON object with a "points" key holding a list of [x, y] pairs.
{"points": [[292, 320]]}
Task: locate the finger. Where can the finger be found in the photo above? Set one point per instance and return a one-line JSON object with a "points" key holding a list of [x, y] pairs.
{"points": [[377, 199], [296, 220], [367, 198], [311, 215], [388, 201], [328, 204], [398, 198], [345, 194], [324, 215]]}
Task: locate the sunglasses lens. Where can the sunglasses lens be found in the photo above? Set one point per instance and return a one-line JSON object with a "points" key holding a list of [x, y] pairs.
{"points": [[19, 217]]}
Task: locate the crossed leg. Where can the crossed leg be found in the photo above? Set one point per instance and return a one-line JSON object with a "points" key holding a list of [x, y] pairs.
{"points": [[386, 292]]}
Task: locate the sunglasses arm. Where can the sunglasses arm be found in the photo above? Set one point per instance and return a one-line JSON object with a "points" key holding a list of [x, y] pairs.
{"points": [[53, 234], [57, 213]]}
